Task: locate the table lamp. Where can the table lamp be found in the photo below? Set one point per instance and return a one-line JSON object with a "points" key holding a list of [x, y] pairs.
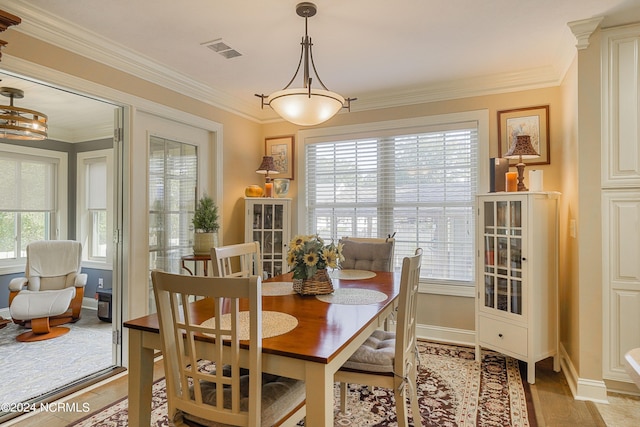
{"points": [[266, 167], [521, 149]]}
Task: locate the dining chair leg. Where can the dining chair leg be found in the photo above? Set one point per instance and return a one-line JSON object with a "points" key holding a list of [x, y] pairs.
{"points": [[343, 397], [401, 406], [415, 404]]}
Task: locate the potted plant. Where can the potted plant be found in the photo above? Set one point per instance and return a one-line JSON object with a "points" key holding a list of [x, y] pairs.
{"points": [[205, 224]]}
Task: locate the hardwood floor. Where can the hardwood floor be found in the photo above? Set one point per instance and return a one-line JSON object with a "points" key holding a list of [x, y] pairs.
{"points": [[554, 404]]}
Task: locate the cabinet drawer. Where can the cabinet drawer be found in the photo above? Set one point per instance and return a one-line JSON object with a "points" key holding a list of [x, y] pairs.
{"points": [[502, 336]]}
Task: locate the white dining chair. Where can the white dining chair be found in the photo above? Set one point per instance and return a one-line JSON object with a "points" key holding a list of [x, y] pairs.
{"points": [[390, 359], [240, 260], [236, 392]]}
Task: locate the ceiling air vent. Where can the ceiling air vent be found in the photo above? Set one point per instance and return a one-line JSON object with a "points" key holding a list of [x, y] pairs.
{"points": [[222, 48]]}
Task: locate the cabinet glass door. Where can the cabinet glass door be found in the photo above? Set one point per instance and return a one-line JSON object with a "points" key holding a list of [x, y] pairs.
{"points": [[502, 238], [268, 229]]}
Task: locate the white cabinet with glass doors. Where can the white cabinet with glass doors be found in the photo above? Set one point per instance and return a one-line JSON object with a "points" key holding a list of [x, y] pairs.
{"points": [[517, 283], [268, 221]]}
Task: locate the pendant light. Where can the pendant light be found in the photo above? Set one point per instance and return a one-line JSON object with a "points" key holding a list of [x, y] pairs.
{"points": [[20, 123], [306, 106]]}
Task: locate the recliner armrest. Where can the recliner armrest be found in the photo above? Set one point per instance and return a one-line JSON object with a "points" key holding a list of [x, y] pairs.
{"points": [[18, 283], [81, 280]]}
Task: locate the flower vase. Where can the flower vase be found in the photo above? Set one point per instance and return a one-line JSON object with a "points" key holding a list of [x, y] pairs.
{"points": [[319, 284]]}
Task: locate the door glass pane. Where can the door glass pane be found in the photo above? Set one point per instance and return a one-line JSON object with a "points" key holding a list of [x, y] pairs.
{"points": [[516, 253], [489, 291], [501, 217], [268, 217], [516, 297], [278, 217], [515, 214], [257, 216], [172, 198], [503, 254], [503, 297]]}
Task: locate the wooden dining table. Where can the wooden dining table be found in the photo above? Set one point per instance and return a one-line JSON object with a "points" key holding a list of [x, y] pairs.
{"points": [[327, 334]]}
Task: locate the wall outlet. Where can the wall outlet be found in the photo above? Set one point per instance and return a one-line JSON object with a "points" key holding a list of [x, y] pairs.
{"points": [[101, 282]]}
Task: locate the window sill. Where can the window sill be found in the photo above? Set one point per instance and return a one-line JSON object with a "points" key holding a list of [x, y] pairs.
{"points": [[11, 269], [96, 265], [447, 289]]}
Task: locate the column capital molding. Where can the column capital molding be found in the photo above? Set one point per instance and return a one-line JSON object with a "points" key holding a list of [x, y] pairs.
{"points": [[583, 29]]}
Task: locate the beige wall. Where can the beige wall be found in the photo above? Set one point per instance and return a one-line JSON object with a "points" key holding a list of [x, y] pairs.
{"points": [[587, 358], [568, 268]]}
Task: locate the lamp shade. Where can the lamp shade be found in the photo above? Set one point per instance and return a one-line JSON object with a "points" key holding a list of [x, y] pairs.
{"points": [[267, 166], [521, 148], [306, 108]]}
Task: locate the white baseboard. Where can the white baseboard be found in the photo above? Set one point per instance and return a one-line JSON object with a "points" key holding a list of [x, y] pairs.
{"points": [[582, 388], [448, 335], [90, 303]]}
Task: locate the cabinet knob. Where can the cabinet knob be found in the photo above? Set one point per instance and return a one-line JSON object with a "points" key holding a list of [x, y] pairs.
{"points": [[524, 258], [500, 335]]}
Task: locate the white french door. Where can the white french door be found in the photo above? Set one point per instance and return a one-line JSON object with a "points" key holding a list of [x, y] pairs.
{"points": [[172, 163]]}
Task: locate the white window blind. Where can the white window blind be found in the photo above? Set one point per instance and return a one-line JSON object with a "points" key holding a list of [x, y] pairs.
{"points": [[173, 181], [28, 183], [419, 186], [96, 183]]}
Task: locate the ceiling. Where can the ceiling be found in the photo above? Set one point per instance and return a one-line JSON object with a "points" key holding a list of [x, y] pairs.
{"points": [[385, 53]]}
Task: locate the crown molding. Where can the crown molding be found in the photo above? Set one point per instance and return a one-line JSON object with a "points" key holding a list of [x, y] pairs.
{"points": [[63, 34], [58, 32], [464, 88]]}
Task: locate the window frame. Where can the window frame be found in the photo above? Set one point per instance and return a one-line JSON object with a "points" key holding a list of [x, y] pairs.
{"points": [[396, 127], [58, 220]]}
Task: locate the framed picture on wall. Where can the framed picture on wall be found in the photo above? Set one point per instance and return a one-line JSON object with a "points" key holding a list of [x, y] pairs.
{"points": [[281, 149], [532, 121]]}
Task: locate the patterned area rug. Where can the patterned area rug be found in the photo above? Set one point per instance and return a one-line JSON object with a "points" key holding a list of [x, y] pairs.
{"points": [[453, 390]]}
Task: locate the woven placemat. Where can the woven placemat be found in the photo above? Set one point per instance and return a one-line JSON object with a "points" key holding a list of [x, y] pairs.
{"points": [[352, 274], [353, 296], [274, 323], [270, 289]]}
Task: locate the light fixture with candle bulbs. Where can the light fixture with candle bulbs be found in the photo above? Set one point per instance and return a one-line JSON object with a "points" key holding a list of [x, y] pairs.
{"points": [[521, 148], [306, 106], [267, 167], [20, 123]]}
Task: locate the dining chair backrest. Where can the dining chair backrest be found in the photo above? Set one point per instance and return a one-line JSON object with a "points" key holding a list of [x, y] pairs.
{"points": [[368, 253], [241, 260], [191, 392], [407, 312], [390, 359]]}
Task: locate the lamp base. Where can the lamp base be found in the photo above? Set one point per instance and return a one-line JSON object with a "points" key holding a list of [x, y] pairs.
{"points": [[521, 186], [268, 188]]}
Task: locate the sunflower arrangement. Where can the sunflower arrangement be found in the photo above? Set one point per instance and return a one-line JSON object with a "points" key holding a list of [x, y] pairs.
{"points": [[308, 254]]}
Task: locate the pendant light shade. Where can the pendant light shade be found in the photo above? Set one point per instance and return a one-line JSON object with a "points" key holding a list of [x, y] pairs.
{"points": [[298, 107], [20, 123], [306, 106]]}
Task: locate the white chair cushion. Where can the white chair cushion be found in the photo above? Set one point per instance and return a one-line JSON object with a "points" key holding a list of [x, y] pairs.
{"points": [[29, 305], [280, 395], [376, 354]]}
